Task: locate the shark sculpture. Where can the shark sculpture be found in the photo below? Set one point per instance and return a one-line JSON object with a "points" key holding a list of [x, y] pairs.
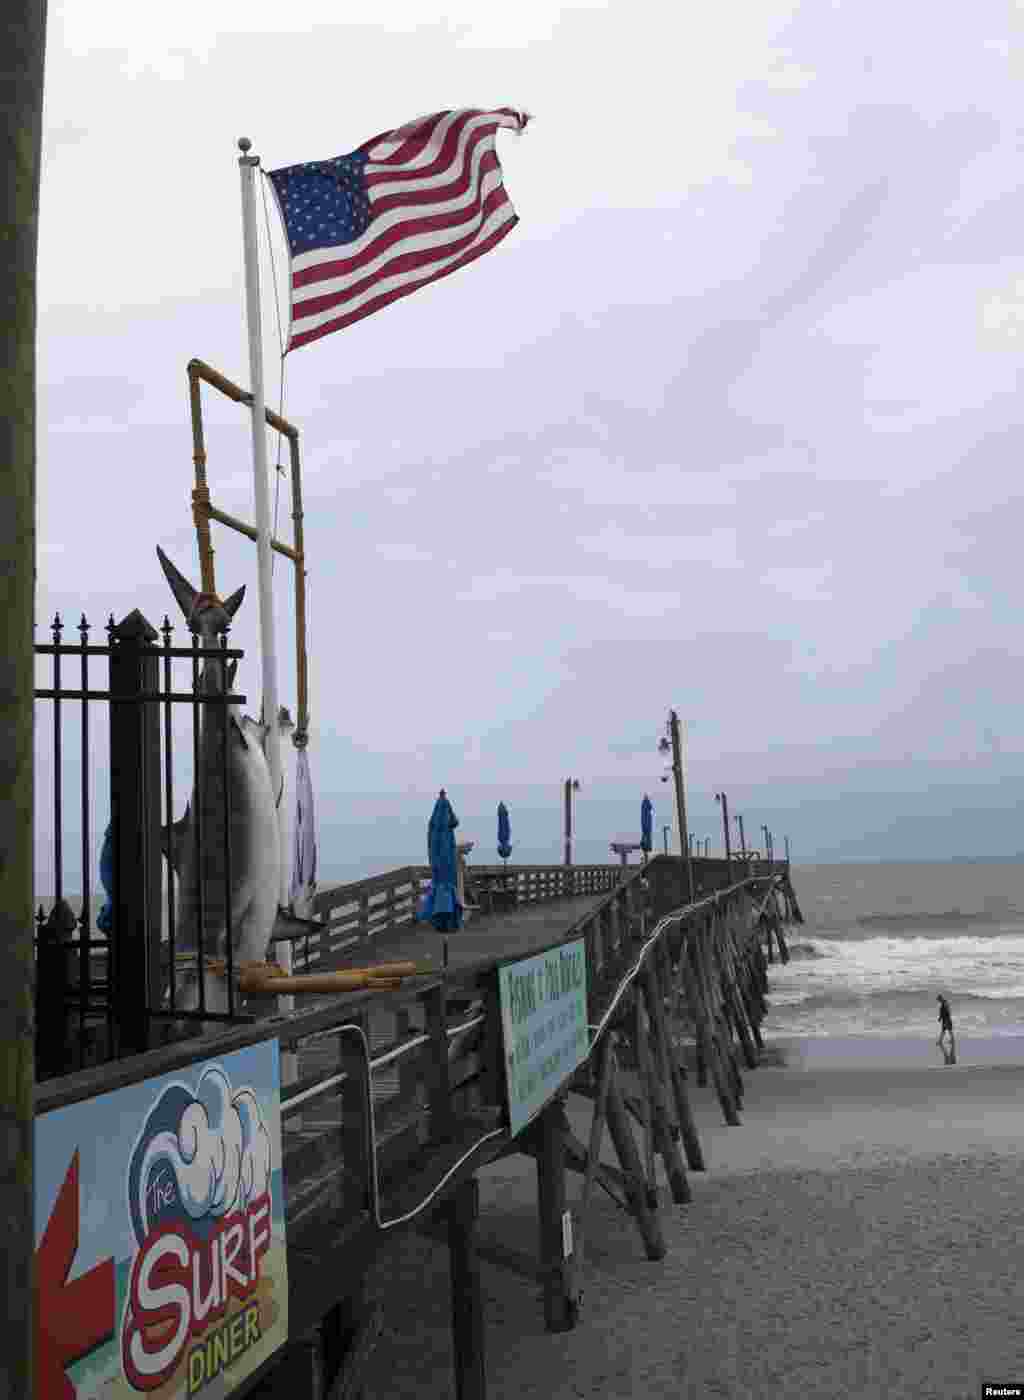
{"points": [[211, 898]]}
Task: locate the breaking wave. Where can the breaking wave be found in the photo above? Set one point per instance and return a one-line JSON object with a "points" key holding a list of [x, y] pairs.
{"points": [[896, 999], [806, 950]]}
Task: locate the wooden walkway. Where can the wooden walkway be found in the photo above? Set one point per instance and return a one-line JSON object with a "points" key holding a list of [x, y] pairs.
{"points": [[485, 936]]}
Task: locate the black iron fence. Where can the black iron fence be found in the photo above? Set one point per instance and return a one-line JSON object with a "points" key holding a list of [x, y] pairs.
{"points": [[102, 983]]}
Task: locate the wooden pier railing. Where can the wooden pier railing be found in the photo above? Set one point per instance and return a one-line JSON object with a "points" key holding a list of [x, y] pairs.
{"points": [[401, 1097], [356, 914]]}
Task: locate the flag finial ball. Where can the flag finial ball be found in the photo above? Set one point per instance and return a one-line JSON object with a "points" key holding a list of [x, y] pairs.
{"points": [[244, 145]]}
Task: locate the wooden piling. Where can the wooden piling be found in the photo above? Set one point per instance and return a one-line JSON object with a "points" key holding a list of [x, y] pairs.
{"points": [[718, 1013], [696, 987], [439, 1091], [781, 939], [642, 1053], [647, 1219], [680, 1096], [604, 1072], [733, 995], [559, 1302], [463, 1211], [658, 1075]]}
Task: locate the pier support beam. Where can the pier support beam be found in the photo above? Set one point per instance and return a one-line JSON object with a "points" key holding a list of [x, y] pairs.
{"points": [[669, 1064], [559, 1301], [463, 1211], [625, 1146]]}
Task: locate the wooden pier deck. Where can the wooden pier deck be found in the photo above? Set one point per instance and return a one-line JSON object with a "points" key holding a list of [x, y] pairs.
{"points": [[494, 936]]}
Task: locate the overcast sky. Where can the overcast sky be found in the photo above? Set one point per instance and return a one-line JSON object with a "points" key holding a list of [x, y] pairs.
{"points": [[729, 422]]}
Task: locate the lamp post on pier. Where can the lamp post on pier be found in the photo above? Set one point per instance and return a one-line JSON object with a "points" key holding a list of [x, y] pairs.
{"points": [[571, 785], [786, 839], [721, 797], [673, 744], [664, 836], [743, 840], [767, 843]]}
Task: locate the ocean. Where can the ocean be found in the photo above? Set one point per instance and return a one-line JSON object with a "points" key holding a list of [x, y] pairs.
{"points": [[881, 941]]}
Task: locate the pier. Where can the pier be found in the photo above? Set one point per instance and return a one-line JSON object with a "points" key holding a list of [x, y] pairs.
{"points": [[402, 1097], [611, 983]]}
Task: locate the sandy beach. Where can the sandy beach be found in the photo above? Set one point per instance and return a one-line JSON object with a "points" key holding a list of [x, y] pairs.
{"points": [[861, 1233]]}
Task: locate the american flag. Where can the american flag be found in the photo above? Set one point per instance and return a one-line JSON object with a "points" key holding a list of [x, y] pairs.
{"points": [[404, 209]]}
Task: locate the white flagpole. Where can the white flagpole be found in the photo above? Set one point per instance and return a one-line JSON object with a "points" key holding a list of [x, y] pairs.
{"points": [[248, 165]]}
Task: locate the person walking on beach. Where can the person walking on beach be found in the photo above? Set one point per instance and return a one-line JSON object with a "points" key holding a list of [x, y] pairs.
{"points": [[946, 1026]]}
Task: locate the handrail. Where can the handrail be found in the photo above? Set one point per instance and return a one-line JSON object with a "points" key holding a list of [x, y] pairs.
{"points": [[358, 911]]}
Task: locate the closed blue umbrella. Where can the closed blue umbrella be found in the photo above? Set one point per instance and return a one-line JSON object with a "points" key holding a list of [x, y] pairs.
{"points": [[504, 833], [442, 905], [646, 824]]}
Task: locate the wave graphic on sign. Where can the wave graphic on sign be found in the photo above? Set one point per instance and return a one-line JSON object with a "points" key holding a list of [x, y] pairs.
{"points": [[199, 1157]]}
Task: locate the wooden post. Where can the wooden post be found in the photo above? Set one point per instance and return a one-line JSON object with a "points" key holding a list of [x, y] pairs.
{"points": [[780, 938], [745, 986], [655, 1071], [721, 797], [348, 1336], [364, 916], [733, 984], [467, 1300], [438, 1068], [559, 1304], [355, 1131], [604, 1072], [625, 1146], [298, 1369], [723, 1020], [766, 930], [677, 773], [642, 1051], [684, 1113], [705, 1006]]}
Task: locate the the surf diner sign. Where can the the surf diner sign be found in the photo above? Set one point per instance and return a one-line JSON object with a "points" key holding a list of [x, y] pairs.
{"points": [[160, 1241]]}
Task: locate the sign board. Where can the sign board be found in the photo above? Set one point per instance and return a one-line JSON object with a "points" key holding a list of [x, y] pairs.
{"points": [[544, 1022], [159, 1232]]}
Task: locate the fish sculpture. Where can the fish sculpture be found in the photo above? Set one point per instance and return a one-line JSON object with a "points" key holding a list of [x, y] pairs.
{"points": [[214, 896], [286, 924]]}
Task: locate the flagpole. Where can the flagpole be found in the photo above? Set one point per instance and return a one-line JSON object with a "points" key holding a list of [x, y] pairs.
{"points": [[248, 166]]}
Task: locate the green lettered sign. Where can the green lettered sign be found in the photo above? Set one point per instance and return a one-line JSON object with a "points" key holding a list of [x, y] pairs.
{"points": [[544, 1018]]}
